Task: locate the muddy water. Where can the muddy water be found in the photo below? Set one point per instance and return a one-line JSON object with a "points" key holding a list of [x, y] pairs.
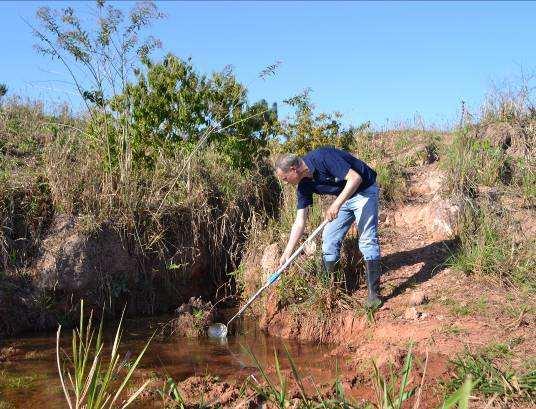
{"points": [[29, 379]]}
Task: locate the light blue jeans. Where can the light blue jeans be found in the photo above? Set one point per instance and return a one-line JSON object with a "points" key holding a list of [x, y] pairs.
{"points": [[362, 208]]}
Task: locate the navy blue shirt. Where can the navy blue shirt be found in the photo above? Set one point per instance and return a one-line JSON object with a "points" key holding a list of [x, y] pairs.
{"points": [[329, 167]]}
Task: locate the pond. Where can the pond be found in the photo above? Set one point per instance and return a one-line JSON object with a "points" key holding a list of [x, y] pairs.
{"points": [[30, 378]]}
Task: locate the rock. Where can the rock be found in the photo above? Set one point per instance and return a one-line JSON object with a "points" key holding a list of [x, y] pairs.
{"points": [[6, 354], [411, 314], [194, 304], [417, 298], [270, 258], [443, 218], [74, 261], [440, 216], [194, 317], [428, 184]]}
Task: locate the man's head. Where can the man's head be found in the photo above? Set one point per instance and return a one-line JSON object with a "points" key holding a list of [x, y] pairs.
{"points": [[290, 168]]}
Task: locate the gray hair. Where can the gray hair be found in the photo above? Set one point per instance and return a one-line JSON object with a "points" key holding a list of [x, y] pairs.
{"points": [[286, 161]]}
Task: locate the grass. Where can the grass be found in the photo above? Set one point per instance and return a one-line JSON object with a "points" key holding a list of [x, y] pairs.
{"points": [[498, 350], [19, 382], [54, 165], [170, 391], [466, 308], [452, 329], [394, 390], [93, 384], [471, 161], [488, 249], [489, 380], [483, 176], [22, 382]]}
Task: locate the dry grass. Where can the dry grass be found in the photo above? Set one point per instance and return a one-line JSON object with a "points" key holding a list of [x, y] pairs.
{"points": [[190, 211]]}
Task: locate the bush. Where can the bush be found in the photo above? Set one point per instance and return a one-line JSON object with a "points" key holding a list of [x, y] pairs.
{"points": [[172, 105], [308, 130]]}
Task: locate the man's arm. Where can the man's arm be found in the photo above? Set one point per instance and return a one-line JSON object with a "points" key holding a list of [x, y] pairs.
{"points": [[353, 180], [295, 234]]}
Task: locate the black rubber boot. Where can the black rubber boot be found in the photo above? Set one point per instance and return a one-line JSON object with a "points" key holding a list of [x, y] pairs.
{"points": [[373, 271], [330, 266]]}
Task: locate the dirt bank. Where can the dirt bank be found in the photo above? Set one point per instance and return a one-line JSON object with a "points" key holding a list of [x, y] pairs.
{"points": [[150, 264]]}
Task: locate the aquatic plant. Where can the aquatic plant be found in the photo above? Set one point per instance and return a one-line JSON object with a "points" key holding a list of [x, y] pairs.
{"points": [[92, 383]]}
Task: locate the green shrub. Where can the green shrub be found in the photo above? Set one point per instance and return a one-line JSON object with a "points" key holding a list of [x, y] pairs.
{"points": [[309, 130], [171, 104]]}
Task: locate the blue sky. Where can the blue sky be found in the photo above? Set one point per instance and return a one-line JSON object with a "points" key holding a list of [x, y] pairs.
{"points": [[381, 61]]}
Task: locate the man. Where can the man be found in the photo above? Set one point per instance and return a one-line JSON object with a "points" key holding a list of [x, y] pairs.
{"points": [[331, 171]]}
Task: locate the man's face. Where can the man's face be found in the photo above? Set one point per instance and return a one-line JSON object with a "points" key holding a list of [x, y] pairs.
{"points": [[291, 176]]}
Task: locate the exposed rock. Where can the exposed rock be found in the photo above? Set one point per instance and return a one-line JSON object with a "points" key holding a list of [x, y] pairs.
{"points": [[417, 298], [427, 184], [501, 134], [411, 313], [8, 353], [194, 304], [270, 258], [73, 261], [439, 216], [516, 140]]}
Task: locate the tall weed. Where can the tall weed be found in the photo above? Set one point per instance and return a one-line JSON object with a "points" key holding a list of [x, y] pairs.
{"points": [[92, 383]]}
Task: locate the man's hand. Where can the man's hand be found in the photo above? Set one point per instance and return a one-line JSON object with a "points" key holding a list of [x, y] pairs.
{"points": [[333, 211], [282, 260]]}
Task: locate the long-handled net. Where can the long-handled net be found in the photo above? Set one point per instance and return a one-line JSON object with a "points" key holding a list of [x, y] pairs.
{"points": [[219, 330]]}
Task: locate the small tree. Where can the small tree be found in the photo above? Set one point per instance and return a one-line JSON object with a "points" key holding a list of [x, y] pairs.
{"points": [[100, 56], [173, 104], [308, 130], [106, 51]]}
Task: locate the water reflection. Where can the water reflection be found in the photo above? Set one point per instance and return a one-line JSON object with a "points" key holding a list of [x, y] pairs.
{"points": [[176, 357]]}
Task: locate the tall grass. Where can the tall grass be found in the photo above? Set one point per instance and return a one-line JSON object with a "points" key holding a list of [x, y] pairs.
{"points": [[488, 247], [490, 381], [479, 177], [388, 396], [93, 381], [471, 161]]}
